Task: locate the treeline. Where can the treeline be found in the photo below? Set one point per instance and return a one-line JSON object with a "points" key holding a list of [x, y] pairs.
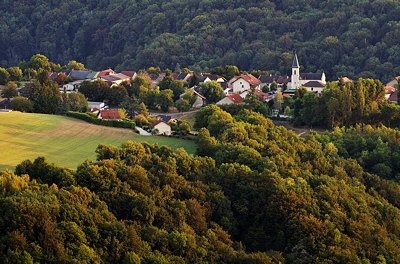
{"points": [[257, 193], [344, 104], [343, 38]]}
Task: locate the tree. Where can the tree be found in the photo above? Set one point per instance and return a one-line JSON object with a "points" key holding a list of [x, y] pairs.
{"points": [[61, 78], [45, 97], [117, 94], [278, 100], [212, 91], [143, 110], [15, 74], [74, 65], [182, 105], [22, 104], [4, 76], [165, 99], [10, 91], [274, 86], [39, 62], [194, 80]]}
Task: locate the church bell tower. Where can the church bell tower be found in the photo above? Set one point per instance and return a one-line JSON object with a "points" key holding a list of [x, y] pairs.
{"points": [[295, 82]]}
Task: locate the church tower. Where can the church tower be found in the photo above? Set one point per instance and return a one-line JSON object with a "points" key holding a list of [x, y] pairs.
{"points": [[295, 82]]}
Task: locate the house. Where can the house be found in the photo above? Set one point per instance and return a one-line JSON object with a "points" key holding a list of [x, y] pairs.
{"points": [[72, 86], [231, 99], [206, 77], [314, 86], [116, 79], [267, 80], [105, 73], [131, 74], [79, 75], [184, 76], [344, 80], [96, 106], [301, 79], [263, 97], [239, 84], [200, 99], [393, 82], [109, 115], [92, 75], [160, 127], [393, 98]]}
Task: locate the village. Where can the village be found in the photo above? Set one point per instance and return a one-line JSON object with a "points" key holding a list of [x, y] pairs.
{"points": [[270, 90]]}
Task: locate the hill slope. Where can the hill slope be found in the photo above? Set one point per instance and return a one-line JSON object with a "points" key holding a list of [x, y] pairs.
{"points": [[67, 142], [356, 38]]}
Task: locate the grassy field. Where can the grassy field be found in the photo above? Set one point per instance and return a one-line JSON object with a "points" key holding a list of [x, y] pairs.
{"points": [[64, 141]]}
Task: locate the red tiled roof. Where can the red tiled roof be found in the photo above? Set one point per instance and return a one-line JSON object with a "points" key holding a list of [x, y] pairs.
{"points": [[248, 78], [393, 97], [389, 89], [110, 114], [237, 99], [158, 122], [129, 73], [105, 72]]}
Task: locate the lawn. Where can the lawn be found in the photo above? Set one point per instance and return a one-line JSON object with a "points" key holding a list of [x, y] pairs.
{"points": [[62, 140]]}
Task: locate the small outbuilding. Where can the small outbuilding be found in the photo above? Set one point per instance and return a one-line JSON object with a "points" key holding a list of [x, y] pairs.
{"points": [[161, 127]]}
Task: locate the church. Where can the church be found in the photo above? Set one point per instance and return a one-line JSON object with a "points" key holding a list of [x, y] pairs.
{"points": [[313, 82]]}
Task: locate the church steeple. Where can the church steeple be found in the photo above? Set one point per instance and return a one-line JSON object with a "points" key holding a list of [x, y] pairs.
{"points": [[295, 61], [295, 83]]}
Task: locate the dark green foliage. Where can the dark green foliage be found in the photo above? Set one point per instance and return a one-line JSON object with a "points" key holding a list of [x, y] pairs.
{"points": [[255, 193], [343, 38], [102, 122], [22, 104]]}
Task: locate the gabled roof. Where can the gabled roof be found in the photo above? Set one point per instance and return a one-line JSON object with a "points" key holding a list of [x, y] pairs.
{"points": [[182, 76], [345, 80], [295, 63], [115, 77], [105, 72], [212, 77], [79, 75], [53, 75], [110, 114], [389, 89], [248, 78], [274, 78], [311, 76], [165, 118], [159, 121], [92, 75], [315, 84], [236, 98], [129, 73], [393, 97]]}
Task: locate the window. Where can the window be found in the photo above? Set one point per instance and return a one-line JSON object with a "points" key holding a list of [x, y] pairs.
{"points": [[242, 86], [312, 89], [295, 72]]}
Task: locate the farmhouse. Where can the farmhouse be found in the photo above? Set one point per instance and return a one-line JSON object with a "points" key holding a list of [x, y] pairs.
{"points": [[239, 84], [109, 114], [160, 127], [231, 99]]}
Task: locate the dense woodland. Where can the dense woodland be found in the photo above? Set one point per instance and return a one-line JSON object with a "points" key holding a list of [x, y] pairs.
{"points": [[256, 193], [357, 38]]}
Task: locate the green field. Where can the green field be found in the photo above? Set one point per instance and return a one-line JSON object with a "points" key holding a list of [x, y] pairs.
{"points": [[62, 140]]}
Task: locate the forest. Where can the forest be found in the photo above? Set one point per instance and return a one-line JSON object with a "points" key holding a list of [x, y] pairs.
{"points": [[254, 193], [357, 38]]}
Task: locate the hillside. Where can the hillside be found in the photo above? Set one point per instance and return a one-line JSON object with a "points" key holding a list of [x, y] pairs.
{"points": [[65, 141], [357, 38]]}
